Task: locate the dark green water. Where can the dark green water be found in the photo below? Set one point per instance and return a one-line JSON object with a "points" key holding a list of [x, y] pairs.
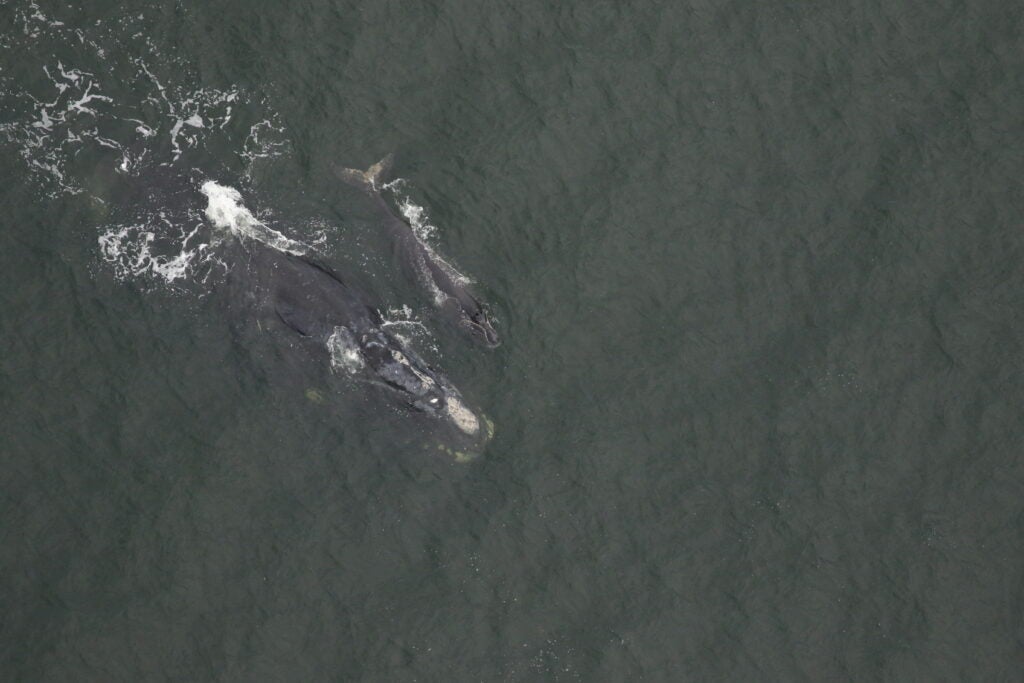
{"points": [[758, 272]]}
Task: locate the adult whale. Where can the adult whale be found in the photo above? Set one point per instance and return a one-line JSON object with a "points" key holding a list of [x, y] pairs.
{"points": [[284, 287], [448, 288]]}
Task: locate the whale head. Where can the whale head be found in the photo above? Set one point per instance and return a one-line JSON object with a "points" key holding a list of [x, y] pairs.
{"points": [[471, 317], [420, 386], [480, 328]]}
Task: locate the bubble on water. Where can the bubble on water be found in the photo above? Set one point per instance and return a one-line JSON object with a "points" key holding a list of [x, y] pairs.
{"points": [[160, 250]]}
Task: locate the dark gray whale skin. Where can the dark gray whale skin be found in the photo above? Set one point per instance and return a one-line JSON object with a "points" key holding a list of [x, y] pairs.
{"points": [[430, 272], [307, 298]]}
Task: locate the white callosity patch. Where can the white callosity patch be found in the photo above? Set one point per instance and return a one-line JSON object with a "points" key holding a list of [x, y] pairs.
{"points": [[347, 357], [427, 381], [225, 210], [462, 416]]}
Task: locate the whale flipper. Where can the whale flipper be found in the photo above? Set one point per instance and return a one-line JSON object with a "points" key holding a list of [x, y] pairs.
{"points": [[369, 180]]}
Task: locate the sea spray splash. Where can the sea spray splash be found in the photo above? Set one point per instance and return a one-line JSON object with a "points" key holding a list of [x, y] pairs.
{"points": [[425, 232], [225, 211]]}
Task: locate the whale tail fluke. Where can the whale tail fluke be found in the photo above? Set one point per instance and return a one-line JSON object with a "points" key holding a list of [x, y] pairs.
{"points": [[369, 180]]}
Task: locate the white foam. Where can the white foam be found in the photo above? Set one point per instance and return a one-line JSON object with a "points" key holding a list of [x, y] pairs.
{"points": [[344, 352], [175, 129], [425, 231], [417, 217], [142, 129], [86, 107], [88, 96], [265, 140], [225, 210], [81, 107], [130, 250], [407, 328]]}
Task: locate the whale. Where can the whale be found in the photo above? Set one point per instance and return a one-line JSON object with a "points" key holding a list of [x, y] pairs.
{"points": [[448, 289], [300, 295]]}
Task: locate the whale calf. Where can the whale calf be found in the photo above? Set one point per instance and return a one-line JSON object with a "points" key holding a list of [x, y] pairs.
{"points": [[448, 288]]}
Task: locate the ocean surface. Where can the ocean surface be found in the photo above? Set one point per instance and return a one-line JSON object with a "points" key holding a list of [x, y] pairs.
{"points": [[758, 270]]}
